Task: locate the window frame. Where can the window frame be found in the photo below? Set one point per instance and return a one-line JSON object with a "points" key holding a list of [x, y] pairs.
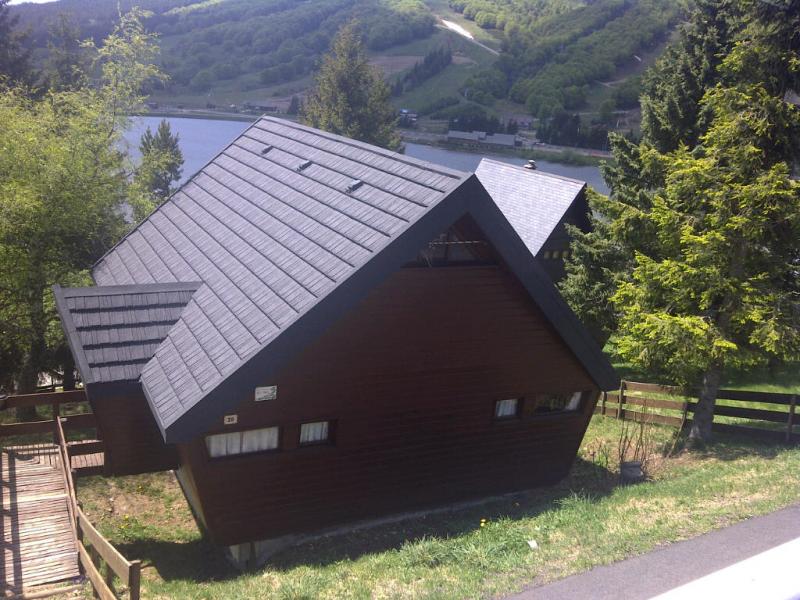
{"points": [[328, 441], [242, 431], [507, 418], [559, 413]]}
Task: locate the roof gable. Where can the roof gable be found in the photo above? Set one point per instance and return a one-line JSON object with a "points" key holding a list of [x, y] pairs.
{"points": [[288, 228], [114, 330], [534, 202]]}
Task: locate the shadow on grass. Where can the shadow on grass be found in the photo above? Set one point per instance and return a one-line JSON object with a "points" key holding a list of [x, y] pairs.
{"points": [[201, 561], [733, 446]]}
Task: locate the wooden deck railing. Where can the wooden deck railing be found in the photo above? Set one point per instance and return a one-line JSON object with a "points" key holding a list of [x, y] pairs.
{"points": [[93, 549], [671, 405]]}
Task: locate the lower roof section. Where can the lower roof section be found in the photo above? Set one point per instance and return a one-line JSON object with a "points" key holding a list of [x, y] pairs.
{"points": [[113, 331]]}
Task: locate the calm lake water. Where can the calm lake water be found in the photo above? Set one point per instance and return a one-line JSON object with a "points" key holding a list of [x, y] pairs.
{"points": [[201, 139]]}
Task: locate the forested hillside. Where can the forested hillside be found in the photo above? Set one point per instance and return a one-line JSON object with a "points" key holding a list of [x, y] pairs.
{"points": [[553, 58]]}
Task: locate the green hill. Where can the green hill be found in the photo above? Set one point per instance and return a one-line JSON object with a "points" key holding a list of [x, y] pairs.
{"points": [[511, 58]]}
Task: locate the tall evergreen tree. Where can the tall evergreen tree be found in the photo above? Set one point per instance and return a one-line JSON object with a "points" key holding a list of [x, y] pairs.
{"points": [[350, 96], [161, 164], [694, 259]]}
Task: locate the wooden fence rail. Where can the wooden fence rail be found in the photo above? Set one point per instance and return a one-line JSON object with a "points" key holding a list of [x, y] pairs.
{"points": [[93, 549], [671, 405]]}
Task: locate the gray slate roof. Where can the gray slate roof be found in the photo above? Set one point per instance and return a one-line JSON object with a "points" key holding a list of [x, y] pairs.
{"points": [[286, 229], [534, 202], [114, 330], [270, 228]]}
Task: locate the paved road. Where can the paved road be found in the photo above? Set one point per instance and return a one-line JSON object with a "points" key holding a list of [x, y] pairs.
{"points": [[648, 575]]}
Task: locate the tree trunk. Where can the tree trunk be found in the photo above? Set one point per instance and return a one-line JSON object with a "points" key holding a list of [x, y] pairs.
{"points": [[68, 381], [28, 377], [700, 432]]}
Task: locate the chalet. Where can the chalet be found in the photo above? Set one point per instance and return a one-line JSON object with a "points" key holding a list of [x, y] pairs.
{"points": [[539, 206], [314, 331]]}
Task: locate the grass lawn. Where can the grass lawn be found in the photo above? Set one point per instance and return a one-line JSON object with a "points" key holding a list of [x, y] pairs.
{"points": [[584, 521]]}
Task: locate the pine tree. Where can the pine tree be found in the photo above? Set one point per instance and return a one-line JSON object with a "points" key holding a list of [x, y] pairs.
{"points": [[350, 96], [694, 257], [161, 164]]}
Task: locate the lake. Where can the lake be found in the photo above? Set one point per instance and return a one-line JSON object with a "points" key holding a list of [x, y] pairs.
{"points": [[201, 139]]}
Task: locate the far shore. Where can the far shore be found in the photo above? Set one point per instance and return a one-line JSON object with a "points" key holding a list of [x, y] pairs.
{"points": [[583, 157]]}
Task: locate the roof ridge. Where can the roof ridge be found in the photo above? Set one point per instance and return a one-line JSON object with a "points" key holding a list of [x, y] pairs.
{"points": [[532, 171]]}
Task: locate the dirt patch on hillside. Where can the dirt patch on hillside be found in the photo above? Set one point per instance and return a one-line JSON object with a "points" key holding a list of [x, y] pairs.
{"points": [[461, 59], [394, 64]]}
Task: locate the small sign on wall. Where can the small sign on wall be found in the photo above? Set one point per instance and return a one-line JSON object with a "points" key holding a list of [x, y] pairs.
{"points": [[230, 419], [269, 392]]}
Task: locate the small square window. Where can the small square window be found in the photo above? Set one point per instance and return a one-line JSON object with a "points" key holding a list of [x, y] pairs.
{"points": [[506, 409], [314, 433], [546, 255]]}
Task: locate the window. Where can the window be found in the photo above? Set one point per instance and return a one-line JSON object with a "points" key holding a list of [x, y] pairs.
{"points": [[506, 409], [555, 403], [242, 442], [546, 255], [314, 433]]}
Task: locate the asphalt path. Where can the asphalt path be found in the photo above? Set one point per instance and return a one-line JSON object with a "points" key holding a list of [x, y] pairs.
{"points": [[670, 567]]}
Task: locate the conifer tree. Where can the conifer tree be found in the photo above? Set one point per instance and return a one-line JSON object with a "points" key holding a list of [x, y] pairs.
{"points": [[161, 164], [350, 96], [694, 258]]}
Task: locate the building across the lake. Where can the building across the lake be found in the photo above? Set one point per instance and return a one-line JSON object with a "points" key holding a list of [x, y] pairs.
{"points": [[315, 331], [482, 139]]}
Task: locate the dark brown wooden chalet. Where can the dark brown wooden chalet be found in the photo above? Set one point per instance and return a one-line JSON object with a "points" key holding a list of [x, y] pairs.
{"points": [[539, 205], [325, 331]]}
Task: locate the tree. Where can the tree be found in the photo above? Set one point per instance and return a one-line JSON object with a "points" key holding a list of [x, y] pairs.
{"points": [[694, 257], [67, 58], [727, 225], [161, 163], [294, 106], [350, 96], [14, 58], [63, 184]]}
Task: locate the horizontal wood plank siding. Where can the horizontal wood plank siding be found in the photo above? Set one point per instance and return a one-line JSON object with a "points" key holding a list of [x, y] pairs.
{"points": [[409, 379], [133, 443]]}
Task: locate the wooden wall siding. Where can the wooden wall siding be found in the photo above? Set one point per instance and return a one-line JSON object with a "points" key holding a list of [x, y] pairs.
{"points": [[410, 378], [133, 443]]}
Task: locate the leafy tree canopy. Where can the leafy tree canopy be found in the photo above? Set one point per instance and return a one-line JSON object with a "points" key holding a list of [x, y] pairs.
{"points": [[63, 186]]}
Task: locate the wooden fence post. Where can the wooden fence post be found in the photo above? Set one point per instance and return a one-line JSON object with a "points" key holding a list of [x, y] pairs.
{"points": [[603, 404], [56, 415], [621, 400], [790, 420], [134, 576]]}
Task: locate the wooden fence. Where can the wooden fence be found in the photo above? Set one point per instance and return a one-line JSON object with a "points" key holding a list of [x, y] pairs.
{"points": [[93, 549], [765, 416]]}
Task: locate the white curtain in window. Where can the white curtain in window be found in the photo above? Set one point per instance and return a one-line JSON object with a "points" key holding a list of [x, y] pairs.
{"points": [[574, 401], [242, 442], [258, 440], [217, 445], [313, 432], [506, 408]]}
